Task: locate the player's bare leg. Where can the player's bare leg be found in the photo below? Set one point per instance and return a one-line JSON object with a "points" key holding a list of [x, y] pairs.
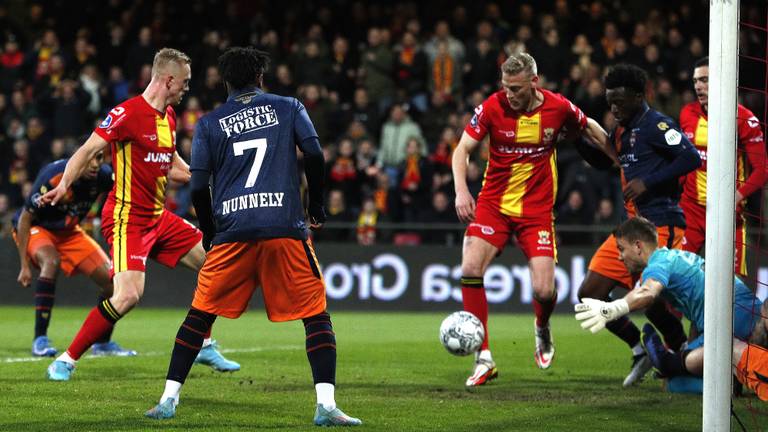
{"points": [[128, 289], [542, 270], [209, 354], [476, 256]]}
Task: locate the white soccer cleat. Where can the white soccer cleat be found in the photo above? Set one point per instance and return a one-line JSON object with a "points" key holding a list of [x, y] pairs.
{"points": [[485, 370], [545, 346], [641, 364]]}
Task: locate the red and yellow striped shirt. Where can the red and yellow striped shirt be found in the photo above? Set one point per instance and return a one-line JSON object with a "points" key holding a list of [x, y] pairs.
{"points": [[521, 176], [750, 149], [143, 143]]}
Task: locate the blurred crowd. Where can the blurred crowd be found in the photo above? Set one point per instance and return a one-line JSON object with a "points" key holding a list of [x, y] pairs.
{"points": [[388, 85]]}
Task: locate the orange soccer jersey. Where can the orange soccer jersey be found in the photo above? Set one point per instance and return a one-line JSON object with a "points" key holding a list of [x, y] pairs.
{"points": [[751, 149], [521, 176]]}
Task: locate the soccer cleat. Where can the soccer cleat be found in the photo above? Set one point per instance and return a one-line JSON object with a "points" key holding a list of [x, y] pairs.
{"points": [[334, 417], [641, 364], [545, 347], [485, 370], [162, 411], [111, 348], [60, 371], [41, 347], [654, 347], [210, 356]]}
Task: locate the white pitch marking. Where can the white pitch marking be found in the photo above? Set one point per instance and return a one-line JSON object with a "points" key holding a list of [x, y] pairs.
{"points": [[159, 353]]}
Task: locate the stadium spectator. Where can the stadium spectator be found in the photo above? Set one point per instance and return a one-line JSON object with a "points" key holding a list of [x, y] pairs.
{"points": [[441, 212], [411, 72], [284, 84], [6, 214], [414, 181], [366, 223], [376, 68], [343, 175], [394, 139], [343, 74], [360, 110]]}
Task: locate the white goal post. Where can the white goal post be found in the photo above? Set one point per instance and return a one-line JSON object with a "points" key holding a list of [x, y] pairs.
{"points": [[721, 169]]}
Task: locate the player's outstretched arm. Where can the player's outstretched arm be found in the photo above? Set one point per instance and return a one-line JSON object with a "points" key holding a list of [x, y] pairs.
{"points": [[599, 137], [465, 203], [595, 314], [179, 170], [75, 167], [22, 238]]}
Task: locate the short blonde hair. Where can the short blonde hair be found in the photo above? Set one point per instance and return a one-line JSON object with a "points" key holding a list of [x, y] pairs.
{"points": [[519, 62], [166, 56]]}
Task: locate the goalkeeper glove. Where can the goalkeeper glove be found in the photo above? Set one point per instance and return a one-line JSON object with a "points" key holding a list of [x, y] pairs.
{"points": [[594, 314]]}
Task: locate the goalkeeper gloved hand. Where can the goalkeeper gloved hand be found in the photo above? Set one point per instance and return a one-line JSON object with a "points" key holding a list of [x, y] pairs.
{"points": [[594, 314]]}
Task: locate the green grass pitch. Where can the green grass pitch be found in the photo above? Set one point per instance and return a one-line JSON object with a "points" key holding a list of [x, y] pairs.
{"points": [[392, 373]]}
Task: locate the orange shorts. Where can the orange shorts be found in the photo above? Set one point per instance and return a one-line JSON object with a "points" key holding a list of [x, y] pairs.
{"points": [[695, 233], [606, 262], [286, 270], [79, 253], [752, 370], [536, 236], [166, 241]]}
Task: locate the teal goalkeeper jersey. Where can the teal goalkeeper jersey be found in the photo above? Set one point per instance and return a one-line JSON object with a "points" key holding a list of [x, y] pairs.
{"points": [[682, 274]]}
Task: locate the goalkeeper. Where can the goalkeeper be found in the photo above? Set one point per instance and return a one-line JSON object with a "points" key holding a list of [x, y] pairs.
{"points": [[678, 277]]}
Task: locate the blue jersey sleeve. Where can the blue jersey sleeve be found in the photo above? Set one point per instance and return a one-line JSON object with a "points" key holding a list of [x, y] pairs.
{"points": [[42, 185], [303, 130], [201, 152], [671, 142]]}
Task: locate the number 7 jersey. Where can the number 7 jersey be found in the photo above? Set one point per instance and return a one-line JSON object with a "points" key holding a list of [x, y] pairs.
{"points": [[249, 145]]}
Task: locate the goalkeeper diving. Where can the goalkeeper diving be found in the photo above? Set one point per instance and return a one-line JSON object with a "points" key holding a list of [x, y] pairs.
{"points": [[678, 277]]}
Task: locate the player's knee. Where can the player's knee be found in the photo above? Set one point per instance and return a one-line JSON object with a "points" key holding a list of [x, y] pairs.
{"points": [[126, 298], [472, 269], [319, 332], [543, 291], [49, 264]]}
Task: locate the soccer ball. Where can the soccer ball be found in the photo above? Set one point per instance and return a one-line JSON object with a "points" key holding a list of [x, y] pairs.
{"points": [[462, 333]]}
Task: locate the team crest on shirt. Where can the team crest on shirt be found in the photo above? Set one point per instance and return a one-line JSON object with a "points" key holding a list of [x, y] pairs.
{"points": [[549, 134], [544, 239], [753, 122], [106, 122]]}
